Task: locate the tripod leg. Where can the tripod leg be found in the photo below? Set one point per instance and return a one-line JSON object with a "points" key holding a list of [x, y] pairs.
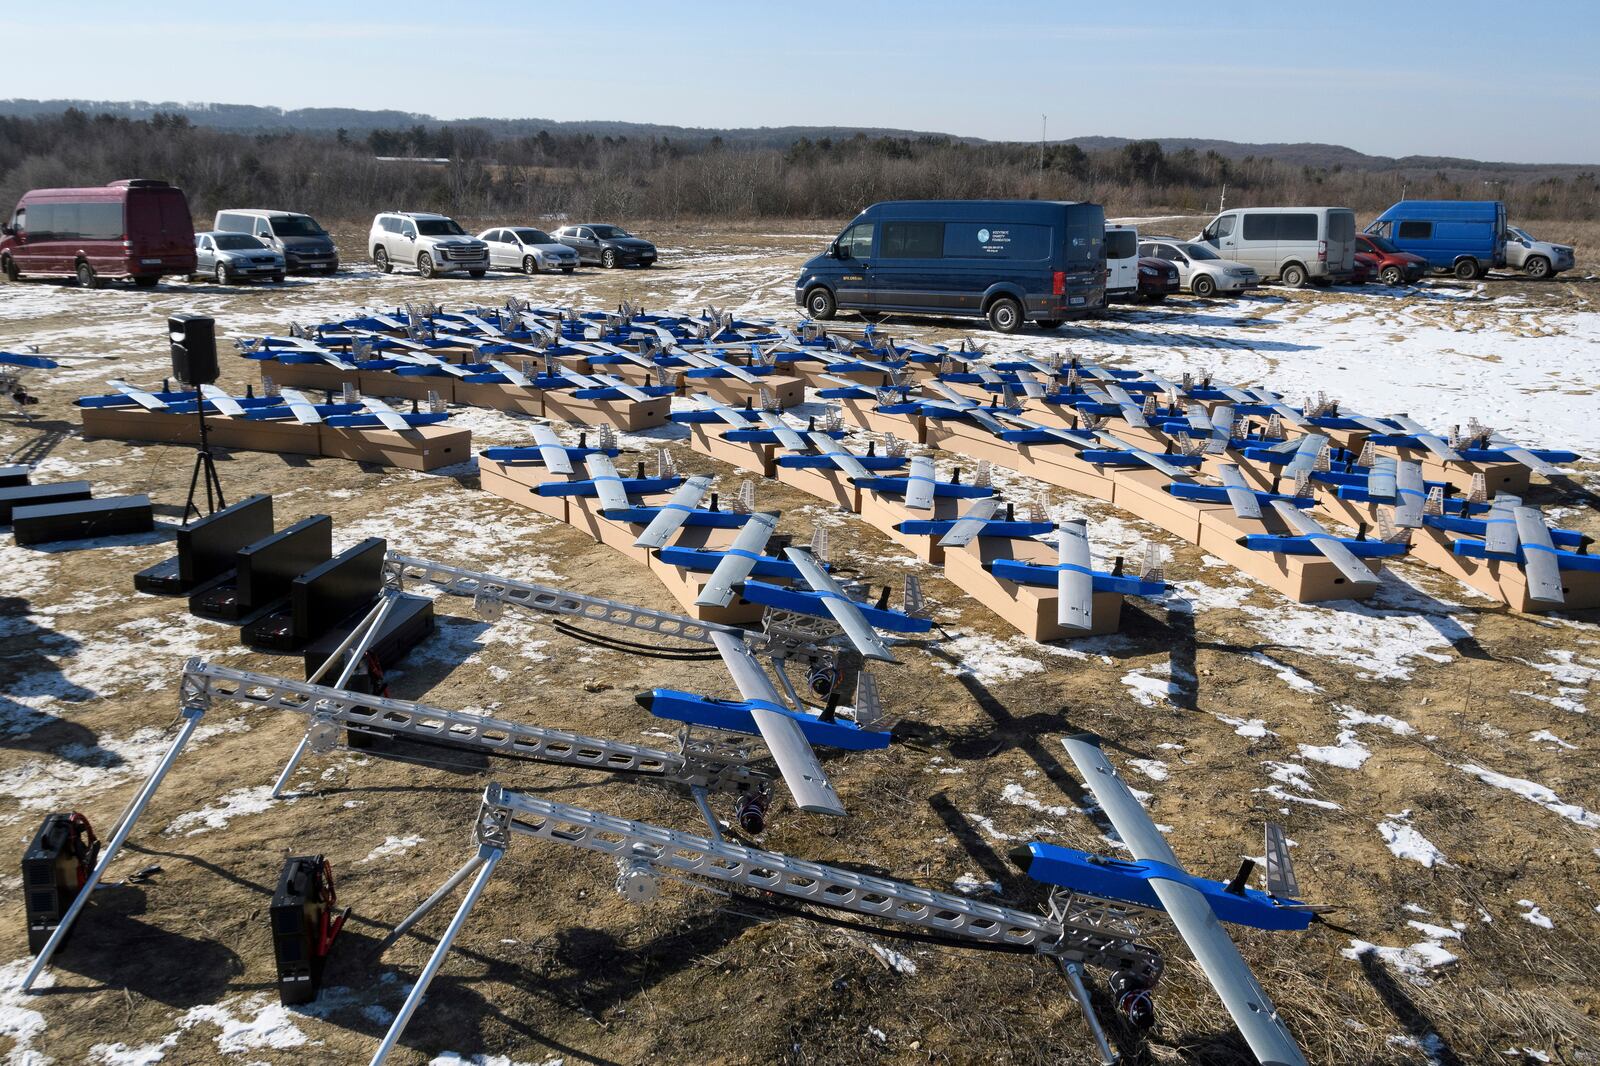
{"points": [[194, 483]]}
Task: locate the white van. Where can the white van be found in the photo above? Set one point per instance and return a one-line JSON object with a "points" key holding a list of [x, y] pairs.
{"points": [[1122, 262], [1292, 244]]}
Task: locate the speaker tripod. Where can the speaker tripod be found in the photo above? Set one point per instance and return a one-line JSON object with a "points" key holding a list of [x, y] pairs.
{"points": [[205, 468]]}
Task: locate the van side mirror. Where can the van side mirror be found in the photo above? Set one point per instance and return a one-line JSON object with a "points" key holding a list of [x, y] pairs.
{"points": [[7, 229], [838, 251]]}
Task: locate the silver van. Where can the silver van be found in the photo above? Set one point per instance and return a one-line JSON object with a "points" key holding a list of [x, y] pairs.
{"points": [[304, 244], [1292, 244]]}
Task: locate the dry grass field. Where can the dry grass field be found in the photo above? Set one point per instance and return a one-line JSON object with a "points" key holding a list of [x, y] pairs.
{"points": [[1432, 756]]}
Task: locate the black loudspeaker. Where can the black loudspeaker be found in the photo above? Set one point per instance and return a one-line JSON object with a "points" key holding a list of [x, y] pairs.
{"points": [[194, 348]]}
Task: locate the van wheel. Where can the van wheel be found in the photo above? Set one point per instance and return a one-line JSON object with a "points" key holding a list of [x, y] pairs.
{"points": [[381, 257], [1393, 275], [146, 281], [1005, 315], [1049, 323], [425, 265], [1203, 286], [476, 273], [1537, 267], [819, 304], [1467, 269], [530, 265], [1294, 276], [87, 278], [277, 279], [8, 266], [222, 274]]}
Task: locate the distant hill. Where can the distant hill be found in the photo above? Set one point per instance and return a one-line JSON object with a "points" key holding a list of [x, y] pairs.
{"points": [[250, 118]]}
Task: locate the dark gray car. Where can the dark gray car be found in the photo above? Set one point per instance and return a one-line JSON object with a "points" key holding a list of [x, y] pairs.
{"points": [[306, 246], [607, 245]]}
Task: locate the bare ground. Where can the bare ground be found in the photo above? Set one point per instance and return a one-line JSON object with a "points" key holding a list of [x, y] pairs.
{"points": [[1219, 690]]}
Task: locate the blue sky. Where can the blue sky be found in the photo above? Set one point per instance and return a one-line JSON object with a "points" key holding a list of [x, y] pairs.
{"points": [[1489, 80]]}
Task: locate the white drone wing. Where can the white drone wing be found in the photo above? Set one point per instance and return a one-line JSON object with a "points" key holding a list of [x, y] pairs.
{"points": [[788, 744], [1240, 495], [302, 409], [632, 392], [674, 513], [1252, 1009], [1354, 570], [707, 359], [1539, 557], [721, 410], [222, 401], [841, 607], [551, 451], [1306, 454], [1430, 441], [1409, 494], [1200, 423], [1383, 481], [1132, 411], [387, 415], [919, 484], [739, 560], [607, 482], [138, 396], [512, 374], [1150, 459], [1062, 435], [1524, 456], [1500, 531], [787, 436], [971, 522], [847, 463], [1275, 404], [1075, 586]]}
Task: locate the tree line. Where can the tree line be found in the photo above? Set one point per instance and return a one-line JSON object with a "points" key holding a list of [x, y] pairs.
{"points": [[343, 177]]}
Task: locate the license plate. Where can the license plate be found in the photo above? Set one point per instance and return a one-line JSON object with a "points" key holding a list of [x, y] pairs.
{"points": [[149, 262], [1076, 300]]}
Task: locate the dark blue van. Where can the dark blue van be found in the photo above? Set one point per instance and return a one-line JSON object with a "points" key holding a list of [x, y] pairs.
{"points": [[1466, 237], [1009, 261]]}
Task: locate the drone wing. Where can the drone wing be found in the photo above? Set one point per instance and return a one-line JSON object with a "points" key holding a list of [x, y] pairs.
{"points": [[1074, 578], [1305, 455], [1240, 495], [790, 750], [721, 410], [1150, 459], [1428, 440], [1538, 556], [1500, 531], [738, 560], [1132, 412], [632, 392], [512, 374], [1409, 494], [674, 512], [387, 415], [1326, 543], [302, 408], [551, 451], [1200, 423], [919, 484], [607, 482], [1383, 481], [222, 401], [1524, 456], [1242, 995], [971, 523], [786, 435], [842, 607], [138, 396], [847, 463]]}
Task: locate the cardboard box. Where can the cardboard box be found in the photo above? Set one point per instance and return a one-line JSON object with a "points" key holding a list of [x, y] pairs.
{"points": [[387, 384], [1305, 578], [1029, 609], [785, 389], [826, 483], [514, 398], [1502, 579], [136, 423], [583, 512], [1143, 493], [687, 585], [423, 448], [626, 415], [286, 437], [319, 376], [707, 439], [883, 512], [864, 413], [519, 484]]}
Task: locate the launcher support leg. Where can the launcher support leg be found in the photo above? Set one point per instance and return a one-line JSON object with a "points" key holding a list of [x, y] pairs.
{"points": [[1074, 975], [361, 637], [192, 716], [434, 900], [701, 801], [487, 858]]}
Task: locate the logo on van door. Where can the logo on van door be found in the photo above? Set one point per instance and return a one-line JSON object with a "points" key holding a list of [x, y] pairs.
{"points": [[983, 236]]}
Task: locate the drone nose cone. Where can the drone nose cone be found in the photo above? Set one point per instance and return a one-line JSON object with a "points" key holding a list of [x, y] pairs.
{"points": [[1022, 856], [645, 700]]}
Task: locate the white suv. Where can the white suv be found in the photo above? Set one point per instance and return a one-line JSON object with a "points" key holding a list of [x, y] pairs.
{"points": [[434, 244]]}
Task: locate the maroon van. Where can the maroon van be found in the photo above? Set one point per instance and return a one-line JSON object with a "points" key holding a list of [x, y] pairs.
{"points": [[135, 228]]}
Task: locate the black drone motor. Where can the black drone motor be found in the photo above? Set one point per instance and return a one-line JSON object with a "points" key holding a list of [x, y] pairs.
{"points": [[54, 868], [1134, 1000], [304, 926]]}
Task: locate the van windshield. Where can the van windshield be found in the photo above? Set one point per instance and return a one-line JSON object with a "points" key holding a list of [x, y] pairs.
{"points": [[439, 227], [297, 226], [236, 242]]}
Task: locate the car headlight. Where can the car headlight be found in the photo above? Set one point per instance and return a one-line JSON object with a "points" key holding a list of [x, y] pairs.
{"points": [[1149, 272]]}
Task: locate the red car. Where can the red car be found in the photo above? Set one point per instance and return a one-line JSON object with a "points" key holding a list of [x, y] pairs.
{"points": [[1393, 266], [135, 228], [1364, 269], [1158, 279]]}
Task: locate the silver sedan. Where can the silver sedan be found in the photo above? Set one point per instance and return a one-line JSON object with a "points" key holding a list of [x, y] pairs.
{"points": [[233, 257], [532, 251]]}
